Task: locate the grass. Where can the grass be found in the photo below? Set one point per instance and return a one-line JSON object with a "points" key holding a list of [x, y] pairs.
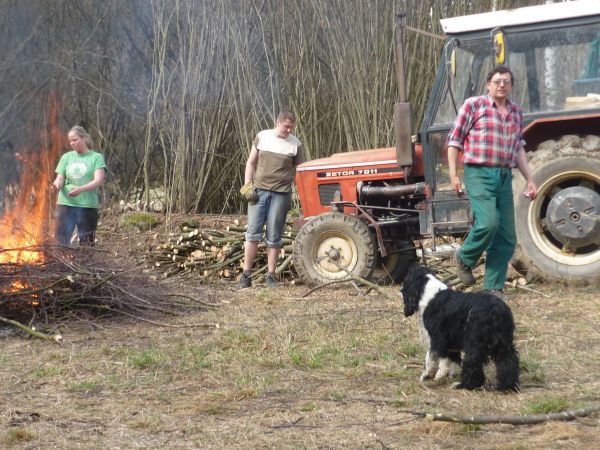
{"points": [[470, 428], [147, 422], [86, 385], [409, 349], [533, 368], [334, 370], [547, 405], [197, 357], [147, 359], [20, 435], [47, 372]]}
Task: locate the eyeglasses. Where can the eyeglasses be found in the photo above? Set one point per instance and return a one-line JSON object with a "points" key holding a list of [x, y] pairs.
{"points": [[501, 82]]}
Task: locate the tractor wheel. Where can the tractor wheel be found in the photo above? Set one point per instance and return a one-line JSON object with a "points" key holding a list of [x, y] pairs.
{"points": [[393, 267], [331, 245], [558, 233]]}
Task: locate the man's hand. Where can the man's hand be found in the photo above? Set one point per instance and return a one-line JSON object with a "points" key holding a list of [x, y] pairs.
{"points": [[530, 190], [249, 192], [456, 184], [452, 169]]}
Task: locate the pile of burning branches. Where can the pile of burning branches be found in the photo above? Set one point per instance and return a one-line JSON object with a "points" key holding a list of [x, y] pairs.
{"points": [[81, 282]]}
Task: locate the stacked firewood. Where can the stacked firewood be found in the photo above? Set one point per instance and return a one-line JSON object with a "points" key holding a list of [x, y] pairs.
{"points": [[215, 254]]}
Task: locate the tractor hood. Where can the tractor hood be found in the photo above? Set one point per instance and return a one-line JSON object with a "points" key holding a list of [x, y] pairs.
{"points": [[351, 159]]}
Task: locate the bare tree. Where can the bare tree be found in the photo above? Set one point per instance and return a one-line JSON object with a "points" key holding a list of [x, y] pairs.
{"points": [[174, 91]]}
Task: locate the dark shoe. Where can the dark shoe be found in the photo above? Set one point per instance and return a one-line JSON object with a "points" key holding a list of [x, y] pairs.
{"points": [[463, 271], [270, 281], [498, 293], [245, 282]]}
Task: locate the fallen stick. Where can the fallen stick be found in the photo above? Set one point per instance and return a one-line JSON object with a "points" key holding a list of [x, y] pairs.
{"points": [[214, 325], [48, 337], [485, 419], [516, 420], [320, 286], [528, 289], [361, 280]]}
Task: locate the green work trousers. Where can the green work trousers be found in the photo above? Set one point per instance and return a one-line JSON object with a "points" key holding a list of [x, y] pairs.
{"points": [[491, 197]]}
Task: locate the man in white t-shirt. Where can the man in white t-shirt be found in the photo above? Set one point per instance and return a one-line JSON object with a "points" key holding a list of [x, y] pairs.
{"points": [[268, 179]]}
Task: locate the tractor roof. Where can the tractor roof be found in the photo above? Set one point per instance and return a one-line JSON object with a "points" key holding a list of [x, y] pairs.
{"points": [[521, 16]]}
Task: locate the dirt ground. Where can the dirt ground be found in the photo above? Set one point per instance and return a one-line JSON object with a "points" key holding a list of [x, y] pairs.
{"points": [[337, 368]]}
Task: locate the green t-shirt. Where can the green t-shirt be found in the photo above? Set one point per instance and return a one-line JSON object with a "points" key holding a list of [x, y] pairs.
{"points": [[79, 170]]}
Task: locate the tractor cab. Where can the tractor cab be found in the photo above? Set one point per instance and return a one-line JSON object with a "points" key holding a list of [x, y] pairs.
{"points": [[554, 53]]}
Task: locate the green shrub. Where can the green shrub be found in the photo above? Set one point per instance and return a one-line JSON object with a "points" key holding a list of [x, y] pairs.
{"points": [[138, 220]]}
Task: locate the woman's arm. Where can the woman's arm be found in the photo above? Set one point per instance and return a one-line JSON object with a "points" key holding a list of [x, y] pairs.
{"points": [[95, 183]]}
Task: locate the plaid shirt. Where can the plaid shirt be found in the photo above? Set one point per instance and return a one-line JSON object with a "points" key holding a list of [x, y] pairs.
{"points": [[483, 136]]}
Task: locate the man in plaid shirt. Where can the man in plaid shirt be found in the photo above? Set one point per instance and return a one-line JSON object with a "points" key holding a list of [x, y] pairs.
{"points": [[489, 132]]}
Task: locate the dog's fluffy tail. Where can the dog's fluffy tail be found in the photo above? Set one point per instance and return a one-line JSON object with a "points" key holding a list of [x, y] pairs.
{"points": [[507, 370]]}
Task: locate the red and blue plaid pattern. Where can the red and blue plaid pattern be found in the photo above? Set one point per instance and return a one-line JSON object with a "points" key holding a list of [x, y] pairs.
{"points": [[483, 136]]}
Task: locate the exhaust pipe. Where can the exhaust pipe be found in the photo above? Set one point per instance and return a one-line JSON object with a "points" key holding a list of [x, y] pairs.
{"points": [[391, 192]]}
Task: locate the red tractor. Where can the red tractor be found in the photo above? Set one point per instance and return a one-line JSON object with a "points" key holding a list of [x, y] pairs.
{"points": [[365, 209]]}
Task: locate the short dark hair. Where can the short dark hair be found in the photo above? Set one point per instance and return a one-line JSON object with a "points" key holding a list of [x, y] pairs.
{"points": [[286, 115], [500, 69]]}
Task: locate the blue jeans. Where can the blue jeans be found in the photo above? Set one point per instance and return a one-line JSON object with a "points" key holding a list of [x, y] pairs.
{"points": [[69, 217], [491, 197], [270, 209]]}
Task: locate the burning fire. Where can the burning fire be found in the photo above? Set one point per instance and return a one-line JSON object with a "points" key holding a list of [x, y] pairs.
{"points": [[20, 287], [17, 286], [26, 223]]}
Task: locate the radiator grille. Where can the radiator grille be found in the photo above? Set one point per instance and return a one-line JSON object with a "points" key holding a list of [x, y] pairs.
{"points": [[327, 192]]}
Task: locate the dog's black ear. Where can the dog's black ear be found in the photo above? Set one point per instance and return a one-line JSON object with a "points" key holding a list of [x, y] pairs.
{"points": [[411, 290]]}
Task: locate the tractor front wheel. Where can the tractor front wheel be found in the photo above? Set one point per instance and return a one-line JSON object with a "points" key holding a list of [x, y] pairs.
{"points": [[333, 245]]}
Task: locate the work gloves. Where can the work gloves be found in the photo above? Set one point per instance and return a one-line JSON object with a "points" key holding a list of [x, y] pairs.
{"points": [[249, 192]]}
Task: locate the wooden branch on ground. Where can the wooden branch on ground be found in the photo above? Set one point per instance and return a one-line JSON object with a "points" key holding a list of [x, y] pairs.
{"points": [[528, 289], [320, 286], [360, 280], [33, 332], [516, 420], [484, 419]]}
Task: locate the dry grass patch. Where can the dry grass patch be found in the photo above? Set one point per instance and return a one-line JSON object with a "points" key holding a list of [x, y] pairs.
{"points": [[333, 370]]}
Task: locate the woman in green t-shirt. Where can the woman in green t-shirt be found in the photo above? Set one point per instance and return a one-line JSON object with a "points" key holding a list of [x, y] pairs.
{"points": [[79, 174]]}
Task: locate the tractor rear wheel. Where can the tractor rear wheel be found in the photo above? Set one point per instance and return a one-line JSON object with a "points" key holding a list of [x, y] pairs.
{"points": [[558, 233], [331, 245]]}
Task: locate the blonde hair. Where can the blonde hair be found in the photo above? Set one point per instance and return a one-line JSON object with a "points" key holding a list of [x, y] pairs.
{"points": [[80, 131]]}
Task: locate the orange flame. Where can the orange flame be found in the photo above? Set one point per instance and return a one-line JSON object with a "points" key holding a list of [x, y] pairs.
{"points": [[27, 222], [18, 286]]}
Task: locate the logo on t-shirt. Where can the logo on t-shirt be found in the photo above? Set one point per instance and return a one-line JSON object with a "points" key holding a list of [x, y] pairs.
{"points": [[76, 171]]}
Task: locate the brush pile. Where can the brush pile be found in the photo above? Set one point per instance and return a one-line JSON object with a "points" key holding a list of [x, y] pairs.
{"points": [[83, 282], [212, 254]]}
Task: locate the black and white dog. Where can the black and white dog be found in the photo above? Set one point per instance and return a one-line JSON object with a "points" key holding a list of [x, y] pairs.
{"points": [[476, 323]]}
